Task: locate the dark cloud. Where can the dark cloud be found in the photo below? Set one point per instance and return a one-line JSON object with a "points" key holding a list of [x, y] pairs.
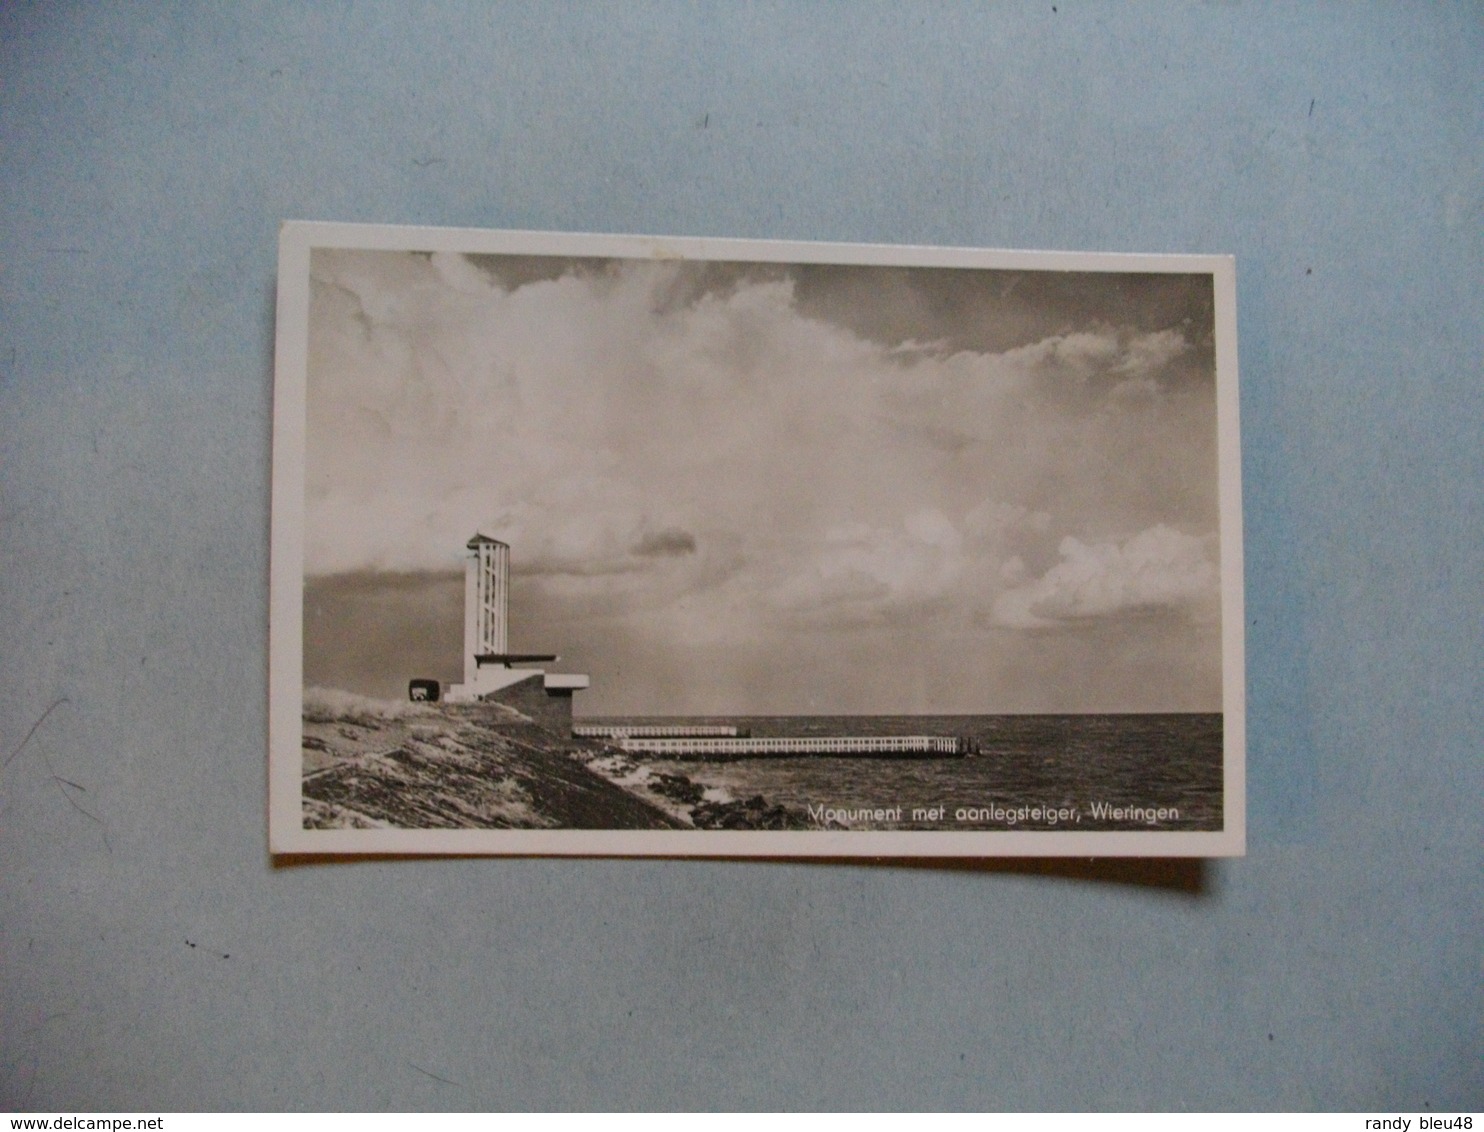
{"points": [[668, 543], [514, 271], [700, 279], [993, 310]]}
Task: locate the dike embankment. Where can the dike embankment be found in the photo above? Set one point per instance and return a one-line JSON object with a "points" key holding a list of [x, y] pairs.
{"points": [[387, 764]]}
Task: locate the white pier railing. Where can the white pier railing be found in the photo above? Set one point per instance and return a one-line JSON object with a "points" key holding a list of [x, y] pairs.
{"points": [[654, 730], [782, 746]]}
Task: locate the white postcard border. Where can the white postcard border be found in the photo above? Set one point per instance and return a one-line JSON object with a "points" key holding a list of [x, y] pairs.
{"points": [[285, 676]]}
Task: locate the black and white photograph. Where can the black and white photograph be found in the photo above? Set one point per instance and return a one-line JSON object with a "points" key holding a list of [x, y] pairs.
{"points": [[639, 545]]}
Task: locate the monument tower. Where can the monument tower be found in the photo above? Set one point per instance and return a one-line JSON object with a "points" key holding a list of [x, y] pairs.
{"points": [[486, 602], [490, 668]]}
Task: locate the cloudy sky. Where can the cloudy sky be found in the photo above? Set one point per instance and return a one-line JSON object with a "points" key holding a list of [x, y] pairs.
{"points": [[761, 488]]}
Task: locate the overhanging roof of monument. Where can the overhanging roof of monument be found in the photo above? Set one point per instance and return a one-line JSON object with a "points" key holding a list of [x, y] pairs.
{"points": [[479, 539]]}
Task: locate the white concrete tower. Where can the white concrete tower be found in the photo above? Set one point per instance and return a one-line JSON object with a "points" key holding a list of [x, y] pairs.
{"points": [[486, 603], [490, 671]]}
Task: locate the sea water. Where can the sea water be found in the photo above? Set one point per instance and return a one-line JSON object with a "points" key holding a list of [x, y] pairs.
{"points": [[1073, 772]]}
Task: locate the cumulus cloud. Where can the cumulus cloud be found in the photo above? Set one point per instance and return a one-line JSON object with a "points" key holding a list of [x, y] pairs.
{"points": [[1149, 353], [1099, 362], [718, 455], [1159, 570], [688, 458], [1135, 387], [863, 574]]}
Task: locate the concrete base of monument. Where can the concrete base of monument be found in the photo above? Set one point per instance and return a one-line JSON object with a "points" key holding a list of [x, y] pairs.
{"points": [[545, 697]]}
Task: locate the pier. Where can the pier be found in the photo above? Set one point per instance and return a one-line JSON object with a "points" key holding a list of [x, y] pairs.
{"points": [[655, 731], [878, 746]]}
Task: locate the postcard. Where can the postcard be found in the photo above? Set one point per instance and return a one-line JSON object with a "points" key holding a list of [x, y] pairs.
{"points": [[656, 546]]}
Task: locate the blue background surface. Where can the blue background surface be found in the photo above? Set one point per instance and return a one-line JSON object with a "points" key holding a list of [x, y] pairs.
{"points": [[154, 958]]}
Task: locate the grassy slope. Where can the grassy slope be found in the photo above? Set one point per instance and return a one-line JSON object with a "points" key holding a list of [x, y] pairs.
{"points": [[370, 763]]}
